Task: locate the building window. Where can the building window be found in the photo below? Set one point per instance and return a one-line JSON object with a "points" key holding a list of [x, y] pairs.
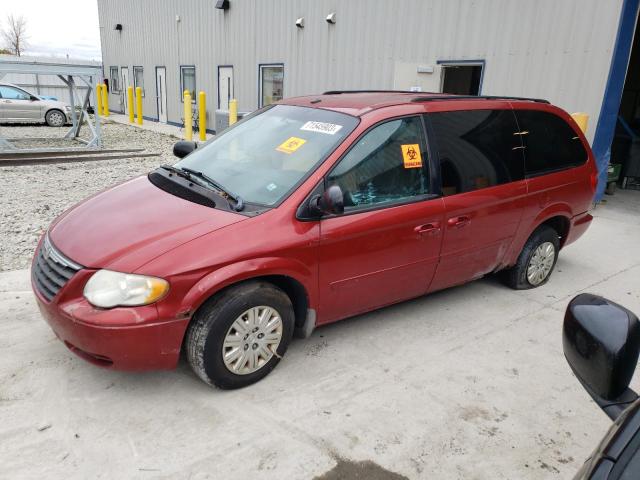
{"points": [[271, 83], [113, 81], [188, 82], [138, 78]]}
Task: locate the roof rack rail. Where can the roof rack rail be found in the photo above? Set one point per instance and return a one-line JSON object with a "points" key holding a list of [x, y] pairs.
{"points": [[475, 97], [338, 92]]}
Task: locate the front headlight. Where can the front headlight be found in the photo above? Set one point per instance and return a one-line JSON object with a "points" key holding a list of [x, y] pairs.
{"points": [[108, 289]]}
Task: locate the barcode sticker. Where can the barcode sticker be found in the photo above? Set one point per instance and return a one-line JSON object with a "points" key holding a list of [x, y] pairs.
{"points": [[321, 127]]}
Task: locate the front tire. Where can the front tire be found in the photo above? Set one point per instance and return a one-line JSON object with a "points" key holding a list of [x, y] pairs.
{"points": [[239, 336], [55, 118], [536, 261]]}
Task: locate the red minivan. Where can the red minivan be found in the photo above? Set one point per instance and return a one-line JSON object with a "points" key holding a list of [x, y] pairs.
{"points": [[306, 212]]}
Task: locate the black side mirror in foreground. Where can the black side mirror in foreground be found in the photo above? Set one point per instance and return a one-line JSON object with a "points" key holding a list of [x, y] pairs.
{"points": [[331, 202], [601, 342], [183, 148]]}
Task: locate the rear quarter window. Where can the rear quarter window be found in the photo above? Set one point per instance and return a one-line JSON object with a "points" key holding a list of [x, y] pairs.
{"points": [[550, 144]]}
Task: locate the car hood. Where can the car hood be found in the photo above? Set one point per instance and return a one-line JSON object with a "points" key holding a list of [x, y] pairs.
{"points": [[129, 225]]}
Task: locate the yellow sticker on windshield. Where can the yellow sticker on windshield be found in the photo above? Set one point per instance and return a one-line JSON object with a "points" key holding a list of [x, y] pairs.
{"points": [[411, 156], [291, 144]]}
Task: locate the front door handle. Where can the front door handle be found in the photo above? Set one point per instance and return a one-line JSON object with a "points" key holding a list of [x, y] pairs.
{"points": [[428, 228], [458, 222]]}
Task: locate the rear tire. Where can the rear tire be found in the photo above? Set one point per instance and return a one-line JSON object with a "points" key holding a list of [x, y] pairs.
{"points": [[239, 336], [536, 261], [55, 118]]}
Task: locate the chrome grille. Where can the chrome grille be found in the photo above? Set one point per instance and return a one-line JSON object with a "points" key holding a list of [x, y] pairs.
{"points": [[51, 270]]}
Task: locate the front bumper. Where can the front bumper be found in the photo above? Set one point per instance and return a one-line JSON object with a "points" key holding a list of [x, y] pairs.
{"points": [[120, 338]]}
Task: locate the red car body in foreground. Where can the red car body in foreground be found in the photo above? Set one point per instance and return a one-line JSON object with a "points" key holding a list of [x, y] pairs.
{"points": [[330, 264]]}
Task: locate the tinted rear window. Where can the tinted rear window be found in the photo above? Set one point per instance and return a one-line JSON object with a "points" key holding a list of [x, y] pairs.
{"points": [[550, 143], [477, 149]]}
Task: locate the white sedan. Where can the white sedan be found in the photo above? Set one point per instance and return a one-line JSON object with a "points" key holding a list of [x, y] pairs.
{"points": [[20, 106]]}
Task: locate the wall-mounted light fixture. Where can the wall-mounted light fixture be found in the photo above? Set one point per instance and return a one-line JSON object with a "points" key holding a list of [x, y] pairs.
{"points": [[222, 4], [300, 22], [331, 18], [118, 27]]}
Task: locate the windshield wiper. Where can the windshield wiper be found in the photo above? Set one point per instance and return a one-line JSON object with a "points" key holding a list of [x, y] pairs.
{"points": [[178, 171], [236, 198]]}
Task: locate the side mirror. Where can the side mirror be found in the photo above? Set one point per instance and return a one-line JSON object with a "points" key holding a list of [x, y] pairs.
{"points": [[183, 148], [331, 202], [601, 342]]}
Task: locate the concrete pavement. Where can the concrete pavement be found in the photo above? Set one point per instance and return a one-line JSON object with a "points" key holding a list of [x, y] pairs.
{"points": [[467, 383]]}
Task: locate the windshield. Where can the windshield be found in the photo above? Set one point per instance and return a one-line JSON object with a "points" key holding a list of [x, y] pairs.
{"points": [[268, 154]]}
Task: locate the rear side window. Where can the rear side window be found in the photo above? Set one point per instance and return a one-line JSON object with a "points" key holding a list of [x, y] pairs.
{"points": [[477, 149], [388, 165], [550, 143]]}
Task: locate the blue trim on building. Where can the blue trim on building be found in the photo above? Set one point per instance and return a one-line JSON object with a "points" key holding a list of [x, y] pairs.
{"points": [[606, 127], [480, 62]]}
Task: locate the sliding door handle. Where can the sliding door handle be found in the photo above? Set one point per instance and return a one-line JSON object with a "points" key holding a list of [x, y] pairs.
{"points": [[458, 222]]}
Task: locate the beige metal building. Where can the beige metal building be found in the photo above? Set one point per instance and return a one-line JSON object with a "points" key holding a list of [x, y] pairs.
{"points": [[574, 53]]}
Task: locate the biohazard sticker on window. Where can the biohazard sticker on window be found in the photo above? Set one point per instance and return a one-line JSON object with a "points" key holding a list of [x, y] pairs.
{"points": [[411, 156], [321, 127], [291, 144]]}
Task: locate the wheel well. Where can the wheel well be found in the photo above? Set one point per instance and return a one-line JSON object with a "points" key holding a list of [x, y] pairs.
{"points": [[561, 225], [54, 109], [290, 286], [296, 293]]}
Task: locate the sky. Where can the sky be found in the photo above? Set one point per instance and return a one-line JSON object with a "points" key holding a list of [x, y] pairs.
{"points": [[58, 28]]}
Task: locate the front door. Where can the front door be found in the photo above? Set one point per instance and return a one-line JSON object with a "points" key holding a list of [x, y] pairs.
{"points": [[17, 105], [225, 87], [161, 94], [385, 247], [482, 176], [123, 90]]}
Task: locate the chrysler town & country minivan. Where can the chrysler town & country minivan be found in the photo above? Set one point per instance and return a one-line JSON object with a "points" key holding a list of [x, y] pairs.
{"points": [[306, 212]]}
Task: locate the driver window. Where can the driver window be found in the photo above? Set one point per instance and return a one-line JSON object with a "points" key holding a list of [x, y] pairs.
{"points": [[388, 165], [11, 93]]}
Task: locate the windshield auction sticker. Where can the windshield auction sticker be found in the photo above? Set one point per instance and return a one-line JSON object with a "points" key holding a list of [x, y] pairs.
{"points": [[411, 156], [321, 127], [291, 144]]}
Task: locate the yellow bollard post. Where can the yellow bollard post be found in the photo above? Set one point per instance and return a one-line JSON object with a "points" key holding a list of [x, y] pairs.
{"points": [[233, 111], [139, 104], [130, 102], [105, 100], [188, 118], [582, 119], [202, 116], [99, 99]]}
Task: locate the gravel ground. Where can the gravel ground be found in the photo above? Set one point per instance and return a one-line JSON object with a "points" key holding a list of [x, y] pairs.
{"points": [[31, 197]]}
